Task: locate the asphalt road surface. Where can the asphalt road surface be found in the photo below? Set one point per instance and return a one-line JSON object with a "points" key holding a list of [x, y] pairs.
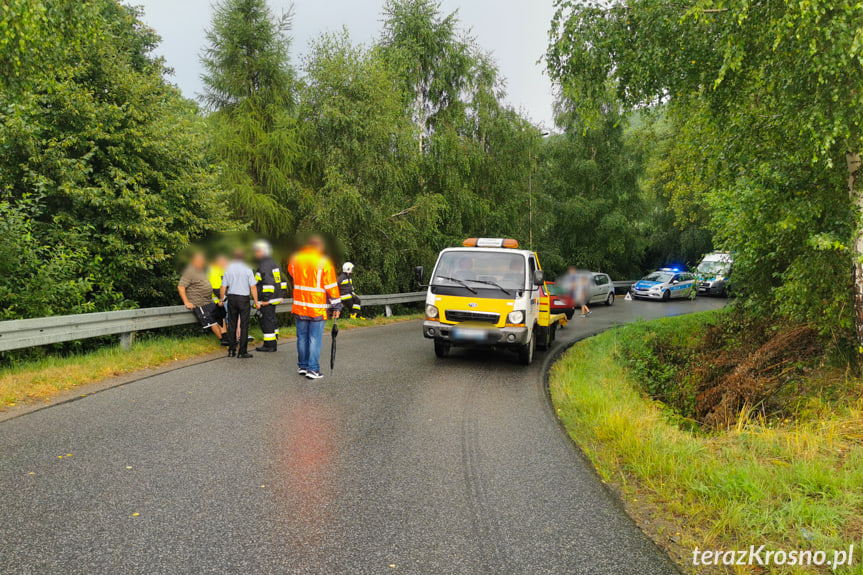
{"points": [[395, 463]]}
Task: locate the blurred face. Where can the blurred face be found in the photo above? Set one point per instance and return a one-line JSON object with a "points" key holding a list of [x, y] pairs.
{"points": [[198, 262], [239, 254], [317, 243], [222, 262], [259, 255]]}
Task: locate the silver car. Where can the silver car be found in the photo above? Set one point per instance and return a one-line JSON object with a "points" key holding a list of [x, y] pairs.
{"points": [[666, 284]]}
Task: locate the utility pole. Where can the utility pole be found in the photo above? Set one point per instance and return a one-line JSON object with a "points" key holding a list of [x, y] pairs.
{"points": [[530, 201]]}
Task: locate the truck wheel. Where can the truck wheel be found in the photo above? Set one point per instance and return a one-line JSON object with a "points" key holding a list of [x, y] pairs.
{"points": [[543, 337], [610, 299], [525, 353], [441, 349]]}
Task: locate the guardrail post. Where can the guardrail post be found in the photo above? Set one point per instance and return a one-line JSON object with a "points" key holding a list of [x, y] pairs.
{"points": [[127, 339], [388, 310]]}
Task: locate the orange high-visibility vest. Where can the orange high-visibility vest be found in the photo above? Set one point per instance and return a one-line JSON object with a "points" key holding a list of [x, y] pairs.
{"points": [[315, 286]]}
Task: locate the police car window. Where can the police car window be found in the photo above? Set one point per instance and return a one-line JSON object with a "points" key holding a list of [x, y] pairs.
{"points": [[658, 277]]}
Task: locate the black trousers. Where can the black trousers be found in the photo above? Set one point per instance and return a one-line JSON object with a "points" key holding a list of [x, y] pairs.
{"points": [[270, 326], [239, 308]]}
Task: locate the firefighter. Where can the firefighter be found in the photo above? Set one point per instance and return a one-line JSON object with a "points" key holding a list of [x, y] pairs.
{"points": [[270, 294], [315, 291], [350, 299]]}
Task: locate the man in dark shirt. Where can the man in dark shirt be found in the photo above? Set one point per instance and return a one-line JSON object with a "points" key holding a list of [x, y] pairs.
{"points": [[197, 295]]}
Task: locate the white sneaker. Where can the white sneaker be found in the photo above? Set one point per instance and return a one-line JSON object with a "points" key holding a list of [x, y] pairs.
{"points": [[301, 371], [314, 375]]}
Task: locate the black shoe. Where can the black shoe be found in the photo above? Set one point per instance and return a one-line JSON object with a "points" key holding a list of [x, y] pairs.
{"points": [[265, 349], [232, 353], [245, 356], [250, 339], [225, 342]]}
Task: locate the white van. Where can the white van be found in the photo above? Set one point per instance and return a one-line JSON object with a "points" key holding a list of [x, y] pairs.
{"points": [[714, 274]]}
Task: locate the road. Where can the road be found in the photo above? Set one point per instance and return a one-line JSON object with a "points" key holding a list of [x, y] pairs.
{"points": [[395, 463]]}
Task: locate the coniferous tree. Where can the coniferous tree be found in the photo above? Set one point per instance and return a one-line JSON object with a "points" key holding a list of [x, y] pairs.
{"points": [[250, 85]]}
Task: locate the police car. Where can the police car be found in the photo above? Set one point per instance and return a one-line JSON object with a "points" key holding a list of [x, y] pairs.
{"points": [[665, 284]]}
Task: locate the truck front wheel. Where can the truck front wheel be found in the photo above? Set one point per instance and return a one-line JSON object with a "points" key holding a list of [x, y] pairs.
{"points": [[525, 353], [441, 349]]}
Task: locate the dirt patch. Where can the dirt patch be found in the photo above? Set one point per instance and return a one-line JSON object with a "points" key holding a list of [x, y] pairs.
{"points": [[754, 378], [713, 373]]}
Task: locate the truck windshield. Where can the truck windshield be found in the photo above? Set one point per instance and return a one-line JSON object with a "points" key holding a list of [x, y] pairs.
{"points": [[486, 273], [714, 268]]}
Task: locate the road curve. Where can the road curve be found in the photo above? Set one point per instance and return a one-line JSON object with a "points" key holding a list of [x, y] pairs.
{"points": [[396, 463]]}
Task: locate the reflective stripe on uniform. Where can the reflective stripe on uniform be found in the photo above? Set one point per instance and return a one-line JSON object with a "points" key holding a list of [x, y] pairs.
{"points": [[347, 296], [285, 286], [334, 301], [330, 286], [309, 289], [269, 337], [311, 305], [275, 301], [257, 276], [268, 289]]}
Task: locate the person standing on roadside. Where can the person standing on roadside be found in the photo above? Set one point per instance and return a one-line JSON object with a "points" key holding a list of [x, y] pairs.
{"points": [[269, 278], [196, 293], [238, 284], [315, 291]]}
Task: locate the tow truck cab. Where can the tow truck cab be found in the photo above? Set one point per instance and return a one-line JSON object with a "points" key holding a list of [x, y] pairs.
{"points": [[487, 293]]}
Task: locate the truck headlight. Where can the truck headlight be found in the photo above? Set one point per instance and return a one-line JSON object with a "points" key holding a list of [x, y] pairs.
{"points": [[431, 312], [515, 317]]}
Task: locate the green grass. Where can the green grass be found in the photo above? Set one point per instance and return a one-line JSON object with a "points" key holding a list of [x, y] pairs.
{"points": [[792, 485], [40, 379]]}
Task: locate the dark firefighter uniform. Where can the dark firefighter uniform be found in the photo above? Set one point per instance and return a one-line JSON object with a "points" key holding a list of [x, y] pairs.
{"points": [[350, 300], [271, 288]]}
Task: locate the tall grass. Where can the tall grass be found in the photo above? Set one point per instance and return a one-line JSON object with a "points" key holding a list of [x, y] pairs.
{"points": [[794, 485]]}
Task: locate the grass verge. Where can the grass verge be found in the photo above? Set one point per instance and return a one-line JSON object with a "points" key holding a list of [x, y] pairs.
{"points": [[790, 484], [40, 379]]}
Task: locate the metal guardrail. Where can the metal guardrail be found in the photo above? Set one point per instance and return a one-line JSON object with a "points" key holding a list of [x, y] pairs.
{"points": [[23, 333]]}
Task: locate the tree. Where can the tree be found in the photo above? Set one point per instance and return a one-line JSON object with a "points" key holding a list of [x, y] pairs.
{"points": [[770, 92], [362, 164], [251, 86], [103, 173], [432, 62]]}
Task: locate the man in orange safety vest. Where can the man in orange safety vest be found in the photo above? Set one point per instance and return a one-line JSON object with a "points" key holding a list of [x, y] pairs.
{"points": [[315, 291]]}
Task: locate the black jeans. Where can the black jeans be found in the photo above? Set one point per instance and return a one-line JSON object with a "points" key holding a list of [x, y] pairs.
{"points": [[239, 308]]}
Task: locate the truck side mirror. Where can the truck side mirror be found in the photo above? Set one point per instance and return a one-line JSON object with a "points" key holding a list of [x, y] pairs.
{"points": [[538, 277], [419, 274]]}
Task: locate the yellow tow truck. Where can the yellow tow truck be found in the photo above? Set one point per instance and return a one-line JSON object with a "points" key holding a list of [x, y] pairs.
{"points": [[489, 293]]}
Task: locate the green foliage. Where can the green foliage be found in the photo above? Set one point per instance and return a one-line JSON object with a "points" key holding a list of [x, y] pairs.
{"points": [[103, 176], [592, 204], [764, 101], [250, 85]]}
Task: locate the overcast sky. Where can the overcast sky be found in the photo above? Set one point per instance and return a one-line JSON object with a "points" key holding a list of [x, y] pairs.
{"points": [[514, 31]]}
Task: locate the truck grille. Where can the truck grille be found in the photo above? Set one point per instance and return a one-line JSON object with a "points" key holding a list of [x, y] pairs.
{"points": [[459, 316]]}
